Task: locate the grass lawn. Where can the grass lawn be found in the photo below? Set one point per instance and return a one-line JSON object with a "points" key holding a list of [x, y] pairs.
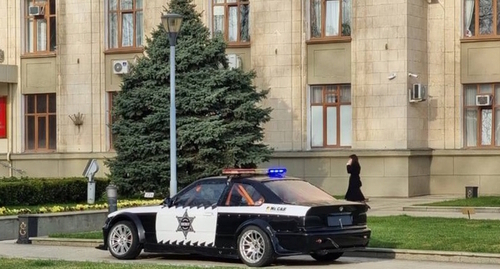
{"points": [[20, 263], [426, 233], [82, 235], [421, 233], [484, 201]]}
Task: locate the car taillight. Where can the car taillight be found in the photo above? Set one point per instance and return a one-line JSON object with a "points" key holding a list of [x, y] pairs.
{"points": [[359, 219], [314, 221]]}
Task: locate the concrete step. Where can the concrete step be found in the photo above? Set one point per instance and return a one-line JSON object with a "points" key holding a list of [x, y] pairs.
{"points": [[452, 209], [73, 242]]}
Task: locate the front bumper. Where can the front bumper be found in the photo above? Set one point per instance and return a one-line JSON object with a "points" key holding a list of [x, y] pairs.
{"points": [[105, 232], [332, 241]]}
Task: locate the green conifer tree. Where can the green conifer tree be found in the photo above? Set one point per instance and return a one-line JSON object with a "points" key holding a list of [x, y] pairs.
{"points": [[219, 119]]}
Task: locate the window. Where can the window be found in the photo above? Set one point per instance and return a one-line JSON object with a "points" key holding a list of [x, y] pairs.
{"points": [[125, 24], [244, 195], [298, 192], [40, 18], [40, 117], [481, 18], [111, 118], [231, 19], [330, 18], [482, 123], [331, 116], [201, 194]]}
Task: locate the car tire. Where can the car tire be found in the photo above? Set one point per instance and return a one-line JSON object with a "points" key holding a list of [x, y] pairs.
{"points": [[254, 247], [326, 257], [123, 241]]}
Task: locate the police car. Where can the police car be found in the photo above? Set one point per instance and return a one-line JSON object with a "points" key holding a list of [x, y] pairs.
{"points": [[254, 214]]}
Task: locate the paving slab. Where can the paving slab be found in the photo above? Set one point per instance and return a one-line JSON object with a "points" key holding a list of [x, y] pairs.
{"points": [[70, 249]]}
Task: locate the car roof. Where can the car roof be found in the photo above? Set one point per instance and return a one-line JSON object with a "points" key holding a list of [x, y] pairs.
{"points": [[249, 178]]}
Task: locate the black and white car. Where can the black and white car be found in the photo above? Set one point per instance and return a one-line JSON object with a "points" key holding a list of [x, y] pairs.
{"points": [[254, 214]]}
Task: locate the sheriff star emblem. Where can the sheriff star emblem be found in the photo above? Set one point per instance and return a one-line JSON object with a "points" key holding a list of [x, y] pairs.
{"points": [[185, 224]]}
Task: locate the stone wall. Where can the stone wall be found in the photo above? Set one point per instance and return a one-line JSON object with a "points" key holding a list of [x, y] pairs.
{"points": [[379, 48]]}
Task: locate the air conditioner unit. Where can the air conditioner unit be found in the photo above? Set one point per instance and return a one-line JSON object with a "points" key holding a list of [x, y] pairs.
{"points": [[234, 61], [484, 100], [36, 11], [417, 93], [120, 67]]}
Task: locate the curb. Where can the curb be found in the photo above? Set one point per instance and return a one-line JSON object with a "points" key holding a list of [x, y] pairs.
{"points": [[451, 209], [426, 255], [379, 253], [69, 242]]}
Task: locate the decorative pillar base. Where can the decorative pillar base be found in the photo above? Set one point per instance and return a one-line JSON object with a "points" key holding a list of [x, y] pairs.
{"points": [[28, 227]]}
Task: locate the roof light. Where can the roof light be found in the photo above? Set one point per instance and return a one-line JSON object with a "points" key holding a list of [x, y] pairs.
{"points": [[239, 171], [272, 172], [276, 172]]}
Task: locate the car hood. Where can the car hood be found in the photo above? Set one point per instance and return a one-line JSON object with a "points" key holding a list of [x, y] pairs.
{"points": [[136, 210]]}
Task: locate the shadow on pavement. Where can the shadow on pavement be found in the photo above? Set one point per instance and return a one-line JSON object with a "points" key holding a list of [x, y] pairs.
{"points": [[291, 261]]}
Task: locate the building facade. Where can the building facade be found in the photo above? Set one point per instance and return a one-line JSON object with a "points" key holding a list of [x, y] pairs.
{"points": [[412, 87]]}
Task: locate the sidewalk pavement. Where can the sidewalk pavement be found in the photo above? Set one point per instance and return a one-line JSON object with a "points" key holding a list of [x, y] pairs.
{"points": [[407, 206], [379, 207]]}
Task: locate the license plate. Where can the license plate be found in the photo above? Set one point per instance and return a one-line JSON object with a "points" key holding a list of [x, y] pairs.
{"points": [[339, 221]]}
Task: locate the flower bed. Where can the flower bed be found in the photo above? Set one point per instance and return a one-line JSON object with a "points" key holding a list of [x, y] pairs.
{"points": [[5, 211]]}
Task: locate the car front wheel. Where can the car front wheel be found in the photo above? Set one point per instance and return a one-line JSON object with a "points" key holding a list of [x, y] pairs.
{"points": [[326, 257], [254, 247], [123, 241]]}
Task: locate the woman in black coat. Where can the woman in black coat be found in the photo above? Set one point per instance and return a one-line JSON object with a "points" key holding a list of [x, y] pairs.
{"points": [[354, 190]]}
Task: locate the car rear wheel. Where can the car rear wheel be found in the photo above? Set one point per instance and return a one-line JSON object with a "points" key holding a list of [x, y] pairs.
{"points": [[326, 257], [123, 241], [254, 247]]}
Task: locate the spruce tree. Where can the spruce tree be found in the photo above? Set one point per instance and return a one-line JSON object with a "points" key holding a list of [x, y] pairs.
{"points": [[219, 119]]}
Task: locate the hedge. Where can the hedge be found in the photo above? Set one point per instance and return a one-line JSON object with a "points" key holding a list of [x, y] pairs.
{"points": [[39, 191]]}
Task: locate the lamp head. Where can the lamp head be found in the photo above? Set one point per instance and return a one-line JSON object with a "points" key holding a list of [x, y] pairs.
{"points": [[171, 23]]}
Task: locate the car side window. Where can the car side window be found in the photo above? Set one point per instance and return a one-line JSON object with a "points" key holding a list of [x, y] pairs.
{"points": [[244, 195], [204, 194]]}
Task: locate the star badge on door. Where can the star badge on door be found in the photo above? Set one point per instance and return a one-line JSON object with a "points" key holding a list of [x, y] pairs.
{"points": [[185, 224]]}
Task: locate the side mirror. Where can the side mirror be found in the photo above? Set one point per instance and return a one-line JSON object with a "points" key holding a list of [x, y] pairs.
{"points": [[168, 201]]}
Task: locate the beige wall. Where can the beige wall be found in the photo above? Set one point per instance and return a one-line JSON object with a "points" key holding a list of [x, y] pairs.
{"points": [[474, 55], [8, 73], [417, 134], [452, 171], [389, 37], [10, 31], [38, 75], [384, 173], [278, 53], [329, 63], [53, 165], [419, 173], [379, 48], [113, 81], [445, 90]]}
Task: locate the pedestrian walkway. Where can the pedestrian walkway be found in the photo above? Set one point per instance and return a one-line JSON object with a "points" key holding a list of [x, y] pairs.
{"points": [[379, 207], [406, 206]]}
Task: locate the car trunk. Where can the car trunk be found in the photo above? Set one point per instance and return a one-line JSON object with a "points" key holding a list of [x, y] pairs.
{"points": [[338, 216]]}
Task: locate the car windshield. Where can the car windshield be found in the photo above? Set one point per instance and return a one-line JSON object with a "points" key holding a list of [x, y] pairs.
{"points": [[298, 192]]}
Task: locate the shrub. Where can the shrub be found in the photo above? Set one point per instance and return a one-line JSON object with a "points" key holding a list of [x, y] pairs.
{"points": [[37, 191]]}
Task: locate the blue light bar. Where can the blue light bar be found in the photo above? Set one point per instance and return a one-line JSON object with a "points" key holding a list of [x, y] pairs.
{"points": [[276, 172]]}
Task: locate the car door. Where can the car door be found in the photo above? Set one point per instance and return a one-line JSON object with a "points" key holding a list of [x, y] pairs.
{"points": [[192, 218]]}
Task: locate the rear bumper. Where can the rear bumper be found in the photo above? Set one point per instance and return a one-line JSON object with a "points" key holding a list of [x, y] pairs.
{"points": [[333, 241]]}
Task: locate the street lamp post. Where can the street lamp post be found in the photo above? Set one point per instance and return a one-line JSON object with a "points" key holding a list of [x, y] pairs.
{"points": [[172, 23]]}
